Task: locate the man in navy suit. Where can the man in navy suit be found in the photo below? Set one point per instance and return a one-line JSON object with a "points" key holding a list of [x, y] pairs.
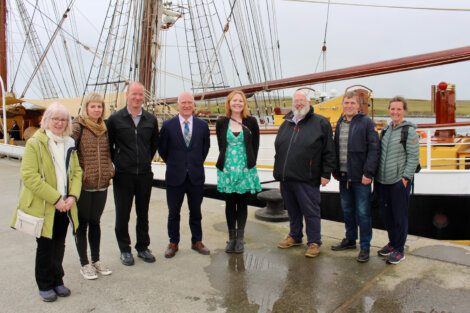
{"points": [[184, 144]]}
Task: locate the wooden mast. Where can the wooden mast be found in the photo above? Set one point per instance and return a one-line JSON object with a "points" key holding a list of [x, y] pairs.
{"points": [[149, 36], [3, 43]]}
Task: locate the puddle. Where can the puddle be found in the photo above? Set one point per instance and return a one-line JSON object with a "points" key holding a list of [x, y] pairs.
{"points": [[269, 279]]}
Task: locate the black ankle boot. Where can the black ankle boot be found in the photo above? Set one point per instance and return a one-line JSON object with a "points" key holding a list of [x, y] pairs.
{"points": [[230, 248], [239, 243]]}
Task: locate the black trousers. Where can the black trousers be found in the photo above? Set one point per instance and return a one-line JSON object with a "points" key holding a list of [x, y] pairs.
{"points": [[394, 201], [175, 196], [50, 254], [236, 210], [90, 207], [125, 187]]}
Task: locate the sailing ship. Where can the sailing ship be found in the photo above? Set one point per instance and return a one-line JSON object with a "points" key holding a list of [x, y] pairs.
{"points": [[131, 40]]}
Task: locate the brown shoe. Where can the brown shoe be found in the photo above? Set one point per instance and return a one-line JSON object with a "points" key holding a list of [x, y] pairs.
{"points": [[171, 250], [199, 247], [288, 242], [312, 250]]}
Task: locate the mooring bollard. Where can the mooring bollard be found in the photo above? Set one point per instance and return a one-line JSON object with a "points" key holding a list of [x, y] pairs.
{"points": [[274, 210]]}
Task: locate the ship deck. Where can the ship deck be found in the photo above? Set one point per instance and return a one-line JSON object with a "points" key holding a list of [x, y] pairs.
{"points": [[435, 277]]}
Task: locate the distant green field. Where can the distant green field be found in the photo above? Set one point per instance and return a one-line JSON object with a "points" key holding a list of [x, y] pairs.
{"points": [[420, 107], [415, 107]]}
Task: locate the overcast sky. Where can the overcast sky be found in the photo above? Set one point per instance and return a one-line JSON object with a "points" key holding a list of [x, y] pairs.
{"points": [[356, 35], [360, 35]]}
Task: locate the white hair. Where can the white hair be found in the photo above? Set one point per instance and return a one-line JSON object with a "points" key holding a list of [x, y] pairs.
{"points": [[54, 108]]}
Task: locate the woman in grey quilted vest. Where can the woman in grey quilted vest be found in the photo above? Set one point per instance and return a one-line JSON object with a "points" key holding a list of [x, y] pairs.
{"points": [[91, 139], [399, 158]]}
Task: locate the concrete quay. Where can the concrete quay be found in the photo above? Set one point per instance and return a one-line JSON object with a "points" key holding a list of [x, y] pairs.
{"points": [[434, 278]]}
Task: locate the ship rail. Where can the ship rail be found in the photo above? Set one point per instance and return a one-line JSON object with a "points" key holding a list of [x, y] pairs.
{"points": [[454, 151]]}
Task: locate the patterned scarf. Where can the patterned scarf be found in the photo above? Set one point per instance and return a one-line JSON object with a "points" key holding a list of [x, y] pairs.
{"points": [[97, 128]]}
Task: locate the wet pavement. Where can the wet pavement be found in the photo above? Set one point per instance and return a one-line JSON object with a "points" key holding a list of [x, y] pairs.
{"points": [[434, 278]]}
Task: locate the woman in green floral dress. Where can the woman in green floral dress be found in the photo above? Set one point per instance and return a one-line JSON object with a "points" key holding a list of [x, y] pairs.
{"points": [[238, 140]]}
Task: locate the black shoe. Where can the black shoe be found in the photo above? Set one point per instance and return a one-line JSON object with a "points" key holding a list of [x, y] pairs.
{"points": [[363, 256], [62, 291], [127, 258], [48, 295], [395, 257], [344, 245], [146, 255], [385, 251]]}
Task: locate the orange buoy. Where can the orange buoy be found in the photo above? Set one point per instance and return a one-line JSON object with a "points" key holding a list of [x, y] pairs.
{"points": [[422, 134]]}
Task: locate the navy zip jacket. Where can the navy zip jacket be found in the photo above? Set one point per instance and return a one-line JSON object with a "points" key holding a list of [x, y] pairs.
{"points": [[363, 149], [132, 147], [304, 152]]}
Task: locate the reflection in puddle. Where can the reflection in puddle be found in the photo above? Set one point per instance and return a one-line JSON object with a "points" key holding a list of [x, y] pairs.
{"points": [[249, 282], [269, 279]]}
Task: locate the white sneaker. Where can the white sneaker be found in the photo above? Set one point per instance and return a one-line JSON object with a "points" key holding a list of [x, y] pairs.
{"points": [[88, 272], [101, 268]]}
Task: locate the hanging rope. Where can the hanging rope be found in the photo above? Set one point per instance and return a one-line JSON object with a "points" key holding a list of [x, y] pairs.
{"points": [[323, 49], [385, 6]]}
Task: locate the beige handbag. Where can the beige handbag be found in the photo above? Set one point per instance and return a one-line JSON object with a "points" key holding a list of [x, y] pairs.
{"points": [[27, 223]]}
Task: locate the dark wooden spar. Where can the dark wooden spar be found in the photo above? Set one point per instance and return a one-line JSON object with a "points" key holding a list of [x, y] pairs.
{"points": [[384, 67]]}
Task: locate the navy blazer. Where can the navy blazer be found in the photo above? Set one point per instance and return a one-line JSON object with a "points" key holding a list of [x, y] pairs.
{"points": [[182, 160]]}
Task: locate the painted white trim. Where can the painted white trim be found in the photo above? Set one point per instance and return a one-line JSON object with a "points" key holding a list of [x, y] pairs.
{"points": [[11, 150], [427, 182]]}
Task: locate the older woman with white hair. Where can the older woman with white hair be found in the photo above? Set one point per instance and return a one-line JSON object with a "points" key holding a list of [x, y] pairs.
{"points": [[52, 180], [91, 137]]}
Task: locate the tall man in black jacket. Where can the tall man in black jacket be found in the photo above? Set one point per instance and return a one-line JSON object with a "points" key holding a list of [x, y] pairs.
{"points": [[133, 138], [304, 160], [357, 158]]}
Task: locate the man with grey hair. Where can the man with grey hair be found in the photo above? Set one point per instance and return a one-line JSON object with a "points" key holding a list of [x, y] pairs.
{"points": [[184, 145], [133, 139], [304, 160]]}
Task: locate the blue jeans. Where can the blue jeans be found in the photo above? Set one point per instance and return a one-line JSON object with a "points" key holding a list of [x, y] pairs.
{"points": [[302, 201], [355, 202]]}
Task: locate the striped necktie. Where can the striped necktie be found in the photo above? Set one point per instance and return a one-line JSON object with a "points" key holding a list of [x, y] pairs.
{"points": [[186, 133]]}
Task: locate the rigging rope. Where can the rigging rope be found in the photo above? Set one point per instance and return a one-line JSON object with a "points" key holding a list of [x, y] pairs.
{"points": [[55, 24], [179, 58], [323, 51], [384, 6], [46, 49], [230, 46]]}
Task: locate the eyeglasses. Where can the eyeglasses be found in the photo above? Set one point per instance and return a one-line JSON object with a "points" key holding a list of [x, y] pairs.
{"points": [[57, 120]]}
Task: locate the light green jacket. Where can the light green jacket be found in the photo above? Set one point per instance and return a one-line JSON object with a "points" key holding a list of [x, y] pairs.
{"points": [[37, 197], [396, 163]]}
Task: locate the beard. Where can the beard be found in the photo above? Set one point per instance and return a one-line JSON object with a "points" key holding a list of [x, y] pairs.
{"points": [[302, 112]]}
